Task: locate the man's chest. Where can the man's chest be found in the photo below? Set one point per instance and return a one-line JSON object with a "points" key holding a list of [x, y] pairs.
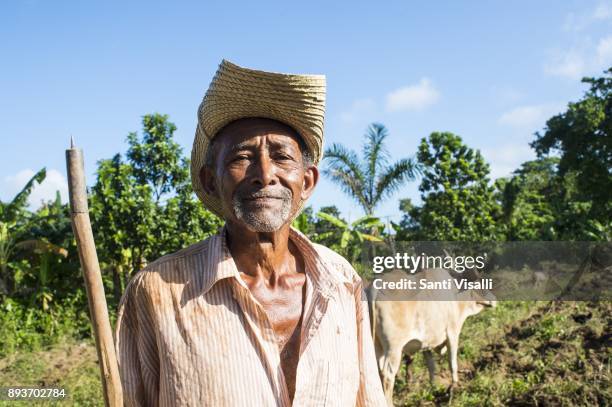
{"points": [[283, 310], [220, 341]]}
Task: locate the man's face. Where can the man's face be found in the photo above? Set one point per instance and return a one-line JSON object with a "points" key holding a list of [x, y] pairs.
{"points": [[259, 174]]}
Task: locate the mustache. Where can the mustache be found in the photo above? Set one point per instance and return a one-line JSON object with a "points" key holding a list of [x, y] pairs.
{"points": [[270, 192]]}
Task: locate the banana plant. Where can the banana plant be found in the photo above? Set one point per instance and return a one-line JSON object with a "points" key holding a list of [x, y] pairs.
{"points": [[349, 237], [45, 252], [15, 221]]}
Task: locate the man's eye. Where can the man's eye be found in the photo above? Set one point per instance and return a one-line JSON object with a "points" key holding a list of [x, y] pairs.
{"points": [[282, 157], [241, 158]]}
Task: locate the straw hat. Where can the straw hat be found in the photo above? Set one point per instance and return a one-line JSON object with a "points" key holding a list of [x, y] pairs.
{"points": [[237, 93]]}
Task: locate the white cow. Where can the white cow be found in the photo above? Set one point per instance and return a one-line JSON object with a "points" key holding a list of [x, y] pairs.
{"points": [[406, 326]]}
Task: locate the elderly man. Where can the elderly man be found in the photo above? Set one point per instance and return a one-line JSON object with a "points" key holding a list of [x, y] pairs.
{"points": [[256, 315]]}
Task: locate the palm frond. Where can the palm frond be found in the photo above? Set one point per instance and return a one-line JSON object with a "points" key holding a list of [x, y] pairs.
{"points": [[371, 180], [342, 166], [366, 222], [371, 238], [301, 223], [375, 154], [41, 246], [345, 239], [332, 219], [20, 200], [350, 185], [394, 176], [339, 157], [326, 235]]}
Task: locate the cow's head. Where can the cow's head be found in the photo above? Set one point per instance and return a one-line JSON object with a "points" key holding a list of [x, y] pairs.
{"points": [[484, 298]]}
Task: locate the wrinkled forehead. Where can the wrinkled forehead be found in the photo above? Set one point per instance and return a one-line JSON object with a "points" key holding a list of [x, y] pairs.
{"points": [[245, 132]]}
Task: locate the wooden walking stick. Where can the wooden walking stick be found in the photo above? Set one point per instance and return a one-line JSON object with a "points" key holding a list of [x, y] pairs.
{"points": [[81, 226]]}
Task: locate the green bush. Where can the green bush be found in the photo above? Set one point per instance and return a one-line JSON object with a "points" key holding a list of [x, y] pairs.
{"points": [[23, 327]]}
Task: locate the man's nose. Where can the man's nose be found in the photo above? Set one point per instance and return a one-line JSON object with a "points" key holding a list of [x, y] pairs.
{"points": [[264, 171]]}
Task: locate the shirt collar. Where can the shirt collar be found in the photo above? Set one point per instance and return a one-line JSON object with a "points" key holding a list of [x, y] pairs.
{"points": [[220, 264]]}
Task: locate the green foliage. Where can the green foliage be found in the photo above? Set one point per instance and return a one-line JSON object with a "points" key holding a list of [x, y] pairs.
{"points": [[144, 208], [574, 216], [595, 230], [156, 158], [14, 222], [123, 213], [36, 249], [16, 209], [184, 221], [317, 228], [304, 222], [408, 228], [51, 251], [44, 305], [348, 239], [458, 202], [529, 209], [321, 226], [582, 136], [541, 204], [23, 327], [369, 180], [141, 209]]}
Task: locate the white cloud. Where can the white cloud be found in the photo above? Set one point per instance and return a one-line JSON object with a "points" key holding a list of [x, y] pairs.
{"points": [[413, 97], [580, 21], [530, 117], [577, 62], [604, 52], [44, 192], [504, 159], [585, 57], [568, 64], [358, 109]]}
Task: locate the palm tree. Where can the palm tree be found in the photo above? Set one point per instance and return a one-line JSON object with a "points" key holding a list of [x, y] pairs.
{"points": [[370, 180]]}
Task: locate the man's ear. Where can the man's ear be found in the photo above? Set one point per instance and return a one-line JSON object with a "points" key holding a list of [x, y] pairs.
{"points": [[207, 179], [311, 177]]}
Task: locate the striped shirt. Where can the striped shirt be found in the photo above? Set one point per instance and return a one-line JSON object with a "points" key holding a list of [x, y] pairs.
{"points": [[190, 333]]}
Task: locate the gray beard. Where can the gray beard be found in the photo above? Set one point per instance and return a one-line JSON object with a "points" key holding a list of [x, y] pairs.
{"points": [[264, 220]]}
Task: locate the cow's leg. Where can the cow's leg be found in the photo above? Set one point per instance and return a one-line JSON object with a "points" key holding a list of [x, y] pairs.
{"points": [[407, 363], [431, 365], [453, 346], [380, 355], [390, 365]]}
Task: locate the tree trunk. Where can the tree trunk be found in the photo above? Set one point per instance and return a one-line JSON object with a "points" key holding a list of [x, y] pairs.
{"points": [[3, 287], [7, 285]]}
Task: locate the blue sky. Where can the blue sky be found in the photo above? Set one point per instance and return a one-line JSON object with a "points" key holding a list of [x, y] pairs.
{"points": [[492, 72]]}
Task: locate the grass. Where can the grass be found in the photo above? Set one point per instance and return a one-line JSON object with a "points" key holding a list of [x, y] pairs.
{"points": [[524, 353], [520, 353], [70, 365]]}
